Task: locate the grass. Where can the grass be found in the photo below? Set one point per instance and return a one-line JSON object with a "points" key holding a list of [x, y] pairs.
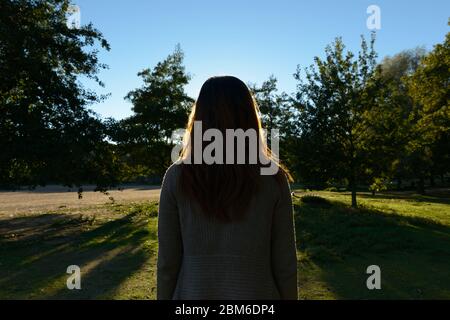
{"points": [[115, 245], [115, 248], [408, 238]]}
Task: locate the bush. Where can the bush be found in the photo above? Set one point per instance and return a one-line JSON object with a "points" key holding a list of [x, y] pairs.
{"points": [[378, 185]]}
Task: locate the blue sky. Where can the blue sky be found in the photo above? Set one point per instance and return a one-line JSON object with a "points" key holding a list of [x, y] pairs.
{"points": [[249, 39]]}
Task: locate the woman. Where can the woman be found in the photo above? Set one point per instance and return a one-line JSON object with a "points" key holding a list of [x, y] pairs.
{"points": [[225, 231]]}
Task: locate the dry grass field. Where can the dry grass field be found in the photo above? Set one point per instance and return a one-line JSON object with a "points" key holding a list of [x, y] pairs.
{"points": [[51, 198]]}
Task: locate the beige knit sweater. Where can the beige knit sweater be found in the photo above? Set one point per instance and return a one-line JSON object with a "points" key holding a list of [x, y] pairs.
{"points": [[200, 258]]}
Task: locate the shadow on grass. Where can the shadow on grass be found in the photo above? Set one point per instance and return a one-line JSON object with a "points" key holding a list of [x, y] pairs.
{"points": [[432, 196], [37, 250], [337, 244]]}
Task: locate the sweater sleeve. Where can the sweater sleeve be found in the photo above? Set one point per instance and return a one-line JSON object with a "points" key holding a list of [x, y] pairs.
{"points": [[170, 246], [284, 252]]}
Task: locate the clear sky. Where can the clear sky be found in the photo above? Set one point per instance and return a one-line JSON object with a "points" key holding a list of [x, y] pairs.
{"points": [[250, 39]]}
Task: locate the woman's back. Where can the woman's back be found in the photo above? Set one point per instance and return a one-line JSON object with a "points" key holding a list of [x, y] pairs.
{"points": [[203, 258], [225, 230]]}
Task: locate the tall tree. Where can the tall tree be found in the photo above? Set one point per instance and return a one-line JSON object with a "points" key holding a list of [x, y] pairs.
{"points": [[331, 100], [274, 106], [277, 112], [390, 119], [429, 88], [47, 132], [160, 106]]}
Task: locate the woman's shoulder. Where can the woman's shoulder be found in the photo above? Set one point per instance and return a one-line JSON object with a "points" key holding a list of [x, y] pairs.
{"points": [[172, 172], [277, 184]]}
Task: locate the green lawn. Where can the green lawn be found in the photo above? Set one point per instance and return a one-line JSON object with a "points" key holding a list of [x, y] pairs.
{"points": [[408, 237], [115, 245]]}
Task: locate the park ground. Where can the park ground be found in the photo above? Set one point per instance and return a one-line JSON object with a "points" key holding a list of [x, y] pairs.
{"points": [[113, 238]]}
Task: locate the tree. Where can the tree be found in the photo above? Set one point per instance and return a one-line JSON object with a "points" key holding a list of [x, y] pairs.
{"points": [[47, 133], [274, 106], [160, 106], [429, 88], [277, 112], [390, 119], [331, 101]]}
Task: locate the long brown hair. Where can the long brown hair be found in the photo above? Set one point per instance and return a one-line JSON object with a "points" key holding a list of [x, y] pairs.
{"points": [[223, 190]]}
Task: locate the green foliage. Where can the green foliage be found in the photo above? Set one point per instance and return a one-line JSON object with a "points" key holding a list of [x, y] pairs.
{"points": [[350, 121], [360, 121], [390, 118], [331, 102], [379, 184], [160, 106], [277, 112], [408, 119], [429, 89], [47, 134]]}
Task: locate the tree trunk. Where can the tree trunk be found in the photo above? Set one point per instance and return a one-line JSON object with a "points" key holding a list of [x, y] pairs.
{"points": [[354, 203], [353, 188]]}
